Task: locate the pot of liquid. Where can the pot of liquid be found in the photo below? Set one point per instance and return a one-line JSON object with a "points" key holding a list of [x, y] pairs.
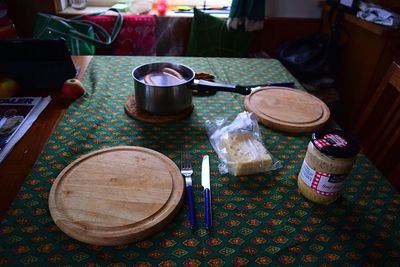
{"points": [[166, 88]]}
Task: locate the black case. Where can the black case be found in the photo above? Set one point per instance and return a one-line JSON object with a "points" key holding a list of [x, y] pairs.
{"points": [[36, 64]]}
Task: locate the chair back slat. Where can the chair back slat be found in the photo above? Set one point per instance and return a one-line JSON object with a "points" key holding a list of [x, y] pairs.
{"points": [[378, 128]]}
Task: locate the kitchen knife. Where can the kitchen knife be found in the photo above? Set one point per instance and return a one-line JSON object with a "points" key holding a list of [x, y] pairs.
{"points": [[205, 182]]}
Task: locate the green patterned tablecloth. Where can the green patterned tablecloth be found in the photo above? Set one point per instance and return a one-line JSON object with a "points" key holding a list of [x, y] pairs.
{"points": [[258, 219]]}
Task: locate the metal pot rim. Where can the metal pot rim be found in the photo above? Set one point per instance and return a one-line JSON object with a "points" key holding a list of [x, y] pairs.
{"points": [[185, 81]]}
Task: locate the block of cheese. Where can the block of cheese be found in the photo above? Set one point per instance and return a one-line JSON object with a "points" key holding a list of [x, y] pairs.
{"points": [[244, 153]]}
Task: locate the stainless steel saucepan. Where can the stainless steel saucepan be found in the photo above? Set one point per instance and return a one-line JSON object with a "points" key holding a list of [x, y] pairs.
{"points": [[166, 88]]}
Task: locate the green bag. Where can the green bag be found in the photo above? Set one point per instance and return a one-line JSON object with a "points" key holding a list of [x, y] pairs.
{"points": [[81, 36]]}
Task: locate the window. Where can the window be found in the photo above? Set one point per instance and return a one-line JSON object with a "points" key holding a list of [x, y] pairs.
{"points": [[170, 2], [63, 4]]}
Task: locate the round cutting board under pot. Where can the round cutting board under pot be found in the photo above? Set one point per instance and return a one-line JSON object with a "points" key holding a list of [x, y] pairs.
{"points": [[116, 195], [288, 110]]}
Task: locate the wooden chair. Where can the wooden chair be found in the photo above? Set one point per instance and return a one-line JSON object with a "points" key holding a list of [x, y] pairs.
{"points": [[378, 128]]}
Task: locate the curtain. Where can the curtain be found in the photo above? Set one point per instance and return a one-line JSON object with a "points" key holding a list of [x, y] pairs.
{"points": [[247, 13]]}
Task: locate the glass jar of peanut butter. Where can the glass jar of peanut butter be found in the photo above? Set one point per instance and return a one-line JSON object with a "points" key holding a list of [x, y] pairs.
{"points": [[329, 159]]}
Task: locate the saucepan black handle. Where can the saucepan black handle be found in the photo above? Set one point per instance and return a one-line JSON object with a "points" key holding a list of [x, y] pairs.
{"points": [[283, 84], [203, 85]]}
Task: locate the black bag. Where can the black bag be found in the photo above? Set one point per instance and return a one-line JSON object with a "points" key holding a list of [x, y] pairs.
{"points": [[316, 56], [36, 64], [307, 58]]}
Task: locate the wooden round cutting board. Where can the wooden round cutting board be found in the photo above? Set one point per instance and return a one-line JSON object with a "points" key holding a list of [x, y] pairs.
{"points": [[286, 109], [116, 195]]}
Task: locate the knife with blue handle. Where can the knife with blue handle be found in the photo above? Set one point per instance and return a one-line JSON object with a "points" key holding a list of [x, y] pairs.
{"points": [[205, 182]]}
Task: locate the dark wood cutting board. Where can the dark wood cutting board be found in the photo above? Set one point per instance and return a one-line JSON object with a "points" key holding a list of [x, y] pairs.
{"points": [[116, 195]]}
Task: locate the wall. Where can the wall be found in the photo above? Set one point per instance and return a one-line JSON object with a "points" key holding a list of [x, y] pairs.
{"points": [[23, 13], [293, 8]]}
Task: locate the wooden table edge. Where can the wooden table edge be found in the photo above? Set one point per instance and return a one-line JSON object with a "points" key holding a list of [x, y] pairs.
{"points": [[18, 163]]}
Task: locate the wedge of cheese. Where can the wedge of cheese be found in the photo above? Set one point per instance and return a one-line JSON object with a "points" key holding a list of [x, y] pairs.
{"points": [[244, 154]]}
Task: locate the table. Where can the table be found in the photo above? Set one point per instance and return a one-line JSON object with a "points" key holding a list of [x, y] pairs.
{"points": [[258, 219]]}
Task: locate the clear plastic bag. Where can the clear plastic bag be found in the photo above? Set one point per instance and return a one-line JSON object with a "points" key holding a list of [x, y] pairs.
{"points": [[239, 145]]}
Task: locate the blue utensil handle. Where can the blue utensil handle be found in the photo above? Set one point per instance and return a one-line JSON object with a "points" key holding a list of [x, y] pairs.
{"points": [[190, 200], [207, 209]]}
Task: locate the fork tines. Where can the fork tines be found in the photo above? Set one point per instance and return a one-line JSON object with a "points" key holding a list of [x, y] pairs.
{"points": [[186, 160]]}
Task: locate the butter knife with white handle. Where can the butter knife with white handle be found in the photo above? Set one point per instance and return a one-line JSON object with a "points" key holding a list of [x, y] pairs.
{"points": [[205, 182]]}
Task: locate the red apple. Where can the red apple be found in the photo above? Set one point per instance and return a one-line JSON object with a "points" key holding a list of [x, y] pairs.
{"points": [[8, 87], [72, 89]]}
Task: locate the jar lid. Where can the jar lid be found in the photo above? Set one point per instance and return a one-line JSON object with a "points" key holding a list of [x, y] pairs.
{"points": [[336, 143]]}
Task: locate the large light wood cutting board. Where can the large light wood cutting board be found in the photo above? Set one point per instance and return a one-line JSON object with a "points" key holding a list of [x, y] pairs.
{"points": [[286, 109], [116, 195]]}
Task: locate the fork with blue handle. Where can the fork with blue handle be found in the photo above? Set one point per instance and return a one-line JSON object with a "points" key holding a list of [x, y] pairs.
{"points": [[187, 172]]}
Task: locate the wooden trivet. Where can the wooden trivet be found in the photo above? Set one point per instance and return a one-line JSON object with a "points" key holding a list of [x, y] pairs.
{"points": [[133, 111], [116, 195]]}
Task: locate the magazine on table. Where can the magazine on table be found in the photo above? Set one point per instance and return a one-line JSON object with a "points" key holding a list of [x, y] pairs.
{"points": [[17, 114]]}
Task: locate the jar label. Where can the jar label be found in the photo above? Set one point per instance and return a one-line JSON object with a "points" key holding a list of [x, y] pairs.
{"points": [[330, 140], [326, 184]]}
